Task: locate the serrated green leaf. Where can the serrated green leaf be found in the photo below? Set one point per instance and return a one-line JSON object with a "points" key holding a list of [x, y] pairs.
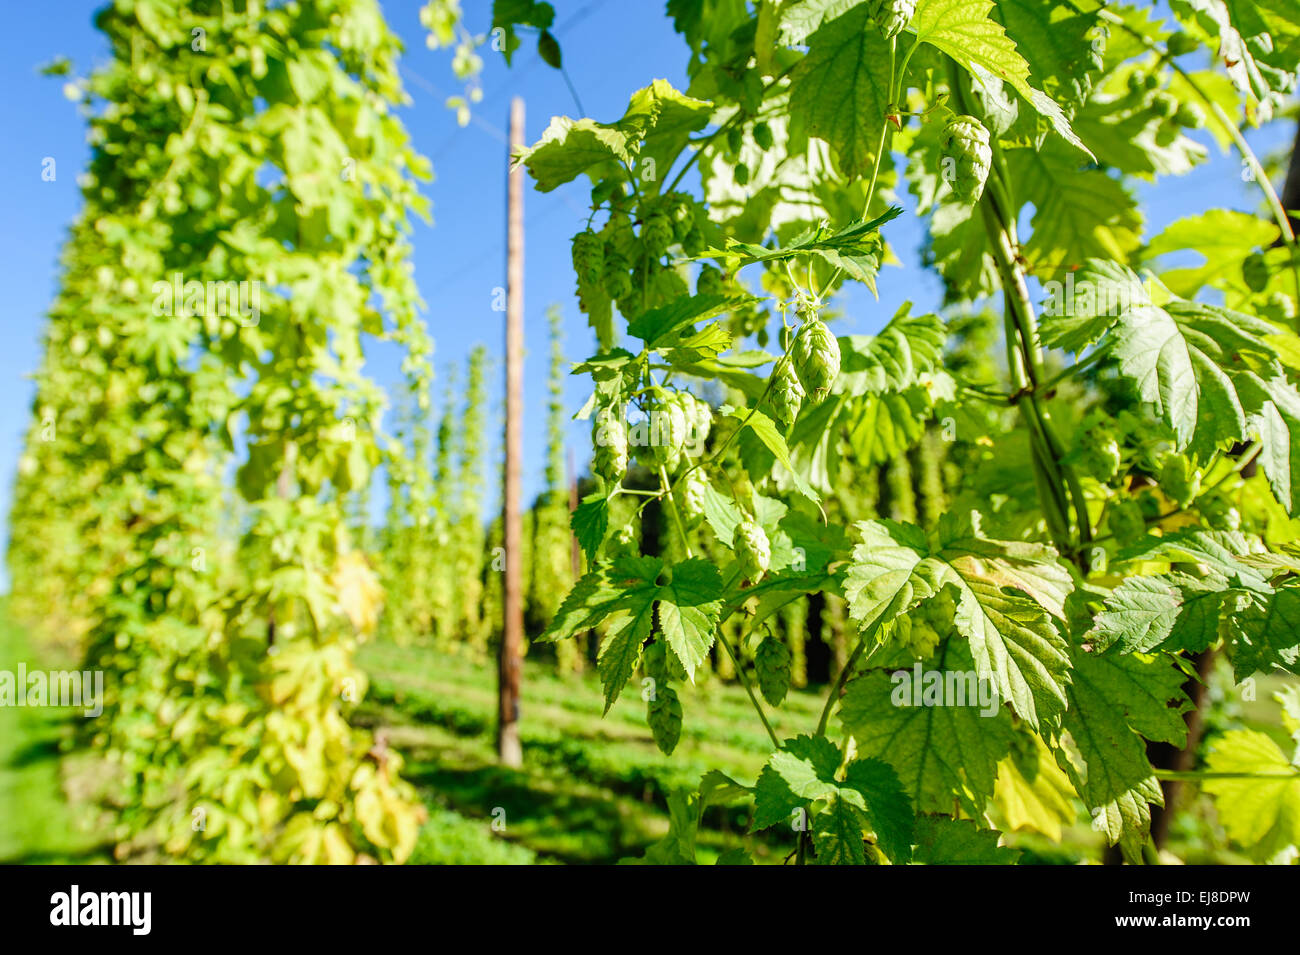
{"points": [[1166, 612], [1115, 701], [943, 841], [766, 431], [895, 358], [1055, 41], [963, 30], [1224, 237], [590, 521], [1012, 636], [841, 88], [1261, 815], [1264, 628], [1079, 211], [570, 148], [621, 651], [885, 803], [837, 834], [659, 326], [941, 753], [689, 605]]}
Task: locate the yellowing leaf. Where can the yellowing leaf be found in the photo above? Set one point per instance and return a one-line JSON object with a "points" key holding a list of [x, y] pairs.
{"points": [[360, 594]]}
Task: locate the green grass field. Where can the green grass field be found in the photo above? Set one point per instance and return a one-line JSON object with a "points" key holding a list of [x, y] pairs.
{"points": [[37, 825], [592, 788]]}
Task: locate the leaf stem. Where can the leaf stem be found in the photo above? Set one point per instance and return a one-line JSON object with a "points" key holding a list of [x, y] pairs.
{"points": [[846, 672], [722, 637]]}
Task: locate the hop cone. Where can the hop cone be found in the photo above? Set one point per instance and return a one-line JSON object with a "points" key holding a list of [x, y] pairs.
{"points": [[657, 234], [816, 356], [892, 15], [610, 439], [752, 548], [966, 141], [710, 282], [690, 494], [615, 275], [786, 397], [588, 258]]}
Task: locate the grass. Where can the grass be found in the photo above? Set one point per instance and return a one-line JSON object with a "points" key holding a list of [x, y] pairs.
{"points": [[592, 789], [37, 825]]}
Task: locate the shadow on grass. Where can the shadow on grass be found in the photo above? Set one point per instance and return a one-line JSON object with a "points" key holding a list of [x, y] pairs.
{"points": [[541, 812]]}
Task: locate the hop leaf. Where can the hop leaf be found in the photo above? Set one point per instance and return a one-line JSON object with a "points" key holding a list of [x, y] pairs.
{"points": [[360, 594], [816, 357], [772, 664], [548, 48], [965, 141]]}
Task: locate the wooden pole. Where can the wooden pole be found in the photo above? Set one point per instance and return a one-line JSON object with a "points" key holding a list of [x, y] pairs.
{"points": [[509, 751]]}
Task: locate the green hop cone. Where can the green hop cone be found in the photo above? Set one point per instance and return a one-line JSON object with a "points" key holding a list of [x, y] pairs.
{"points": [[616, 277], [816, 358], [786, 396], [668, 430], [752, 548], [623, 543], [710, 282], [697, 417], [1126, 521], [1099, 453], [693, 241], [890, 16], [1219, 512], [589, 258], [967, 157], [1179, 480], [772, 665], [763, 136], [657, 234], [610, 439], [917, 635], [690, 494]]}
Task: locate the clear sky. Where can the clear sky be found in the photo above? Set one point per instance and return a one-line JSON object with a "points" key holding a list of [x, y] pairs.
{"points": [[611, 47]]}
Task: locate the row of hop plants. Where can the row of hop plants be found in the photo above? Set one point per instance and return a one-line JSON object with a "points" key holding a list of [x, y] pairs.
{"points": [[180, 516]]}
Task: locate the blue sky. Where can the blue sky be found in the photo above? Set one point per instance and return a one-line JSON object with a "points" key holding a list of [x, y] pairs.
{"points": [[611, 47]]}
